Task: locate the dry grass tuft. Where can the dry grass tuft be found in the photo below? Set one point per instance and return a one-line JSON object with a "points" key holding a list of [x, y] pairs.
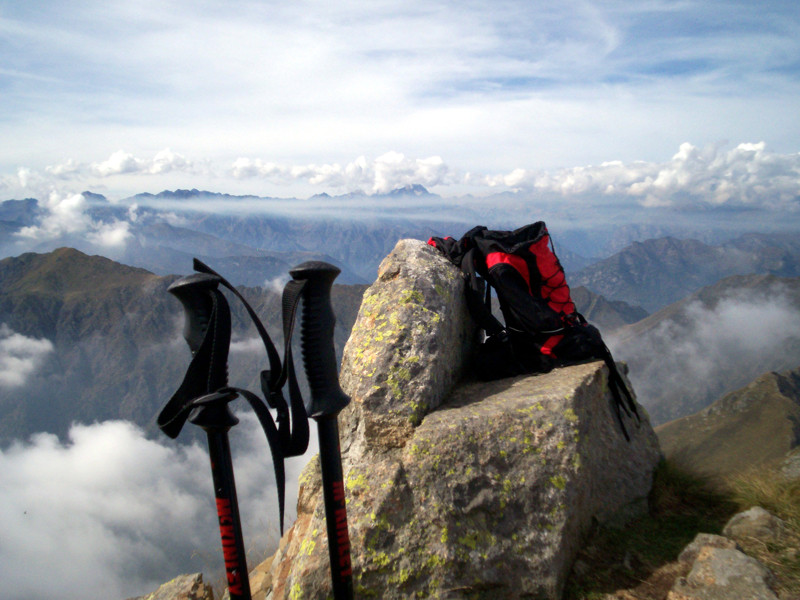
{"points": [[781, 497]]}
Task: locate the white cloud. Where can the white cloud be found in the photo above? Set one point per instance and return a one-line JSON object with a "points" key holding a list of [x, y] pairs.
{"points": [[111, 514], [705, 348], [20, 356], [65, 215], [385, 173], [166, 160], [747, 175], [174, 219], [27, 178], [133, 212], [393, 170], [121, 162], [247, 346], [276, 284], [118, 163], [66, 169], [105, 504], [110, 235]]}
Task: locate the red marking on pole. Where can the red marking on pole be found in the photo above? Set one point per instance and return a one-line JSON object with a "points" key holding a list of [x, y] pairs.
{"points": [[343, 542], [233, 569], [338, 491], [224, 510], [235, 585]]}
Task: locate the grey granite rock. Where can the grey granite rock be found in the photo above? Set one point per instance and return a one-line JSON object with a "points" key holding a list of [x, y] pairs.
{"points": [[484, 491]]}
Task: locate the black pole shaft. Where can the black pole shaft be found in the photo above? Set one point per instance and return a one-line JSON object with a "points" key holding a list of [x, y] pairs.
{"points": [[335, 507], [230, 524]]}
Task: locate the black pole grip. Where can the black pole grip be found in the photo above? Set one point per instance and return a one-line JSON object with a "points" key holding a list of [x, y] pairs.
{"points": [[206, 313], [194, 291], [316, 338]]}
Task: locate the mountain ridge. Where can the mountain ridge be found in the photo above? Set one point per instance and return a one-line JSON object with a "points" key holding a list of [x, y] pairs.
{"points": [[688, 354], [754, 427], [357, 230], [116, 335], [61, 272], [656, 272]]}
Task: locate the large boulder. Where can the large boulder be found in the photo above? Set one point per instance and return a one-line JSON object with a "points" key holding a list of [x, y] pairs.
{"points": [[408, 347], [482, 491]]}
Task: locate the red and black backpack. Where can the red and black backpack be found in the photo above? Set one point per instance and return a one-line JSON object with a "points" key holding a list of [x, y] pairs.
{"points": [[542, 328]]}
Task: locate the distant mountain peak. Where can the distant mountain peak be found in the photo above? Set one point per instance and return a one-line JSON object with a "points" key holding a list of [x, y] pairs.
{"points": [[92, 197], [179, 194], [19, 212], [66, 270], [412, 189]]}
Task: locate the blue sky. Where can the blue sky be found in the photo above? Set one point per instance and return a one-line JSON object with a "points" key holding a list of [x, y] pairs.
{"points": [[296, 98]]}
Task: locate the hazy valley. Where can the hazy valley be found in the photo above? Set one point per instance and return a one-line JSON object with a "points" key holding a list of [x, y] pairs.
{"points": [[694, 320]]}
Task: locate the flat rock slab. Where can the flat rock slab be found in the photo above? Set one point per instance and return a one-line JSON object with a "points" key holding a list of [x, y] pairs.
{"points": [[490, 497]]}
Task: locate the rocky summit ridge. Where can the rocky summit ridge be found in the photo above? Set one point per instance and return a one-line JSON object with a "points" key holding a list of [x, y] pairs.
{"points": [[460, 489]]}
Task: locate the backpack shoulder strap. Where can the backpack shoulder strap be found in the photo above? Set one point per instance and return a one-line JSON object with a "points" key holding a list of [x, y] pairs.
{"points": [[478, 304], [466, 254], [623, 400]]}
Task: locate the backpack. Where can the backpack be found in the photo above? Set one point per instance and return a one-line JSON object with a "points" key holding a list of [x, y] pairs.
{"points": [[542, 328]]}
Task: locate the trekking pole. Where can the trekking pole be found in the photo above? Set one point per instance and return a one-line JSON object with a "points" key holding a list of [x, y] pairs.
{"points": [[207, 331], [327, 400]]}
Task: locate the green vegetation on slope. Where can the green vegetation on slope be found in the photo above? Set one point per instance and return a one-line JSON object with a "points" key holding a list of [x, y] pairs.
{"points": [[641, 557]]}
